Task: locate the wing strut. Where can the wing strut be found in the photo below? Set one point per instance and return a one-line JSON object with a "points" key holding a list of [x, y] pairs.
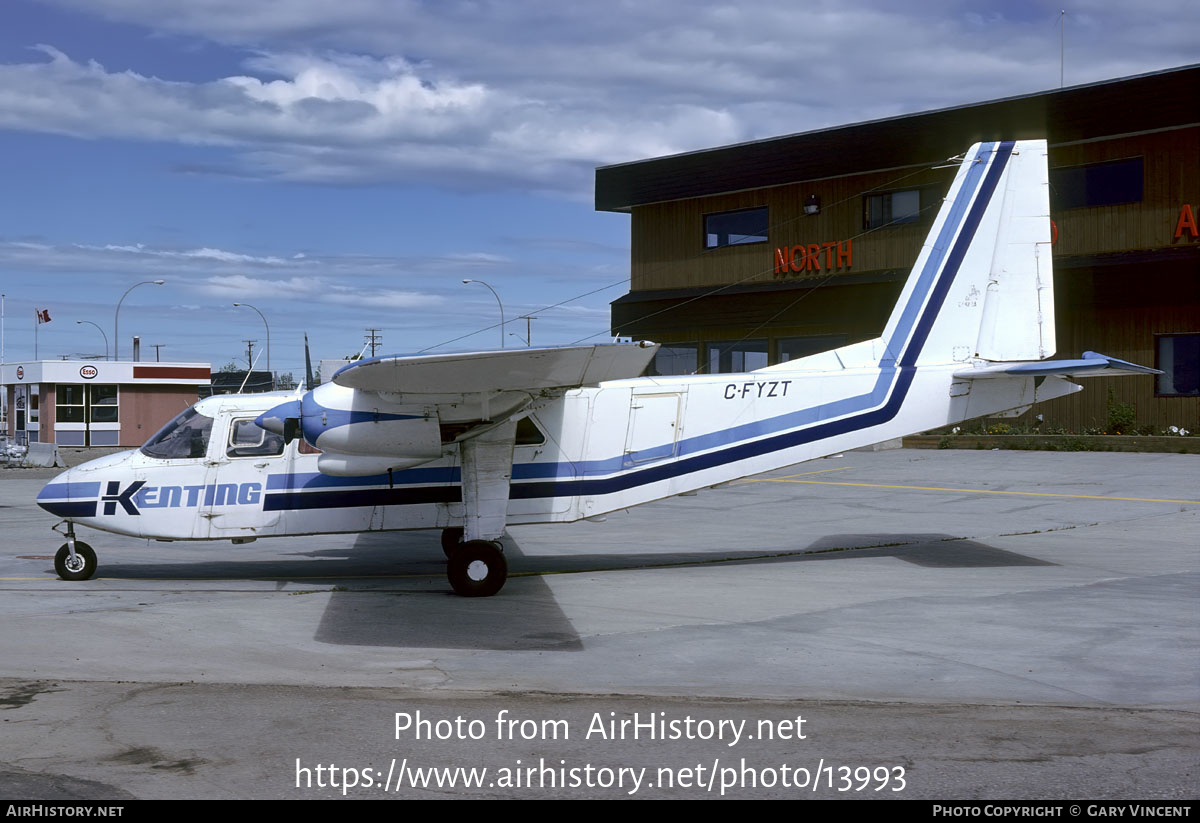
{"points": [[486, 474]]}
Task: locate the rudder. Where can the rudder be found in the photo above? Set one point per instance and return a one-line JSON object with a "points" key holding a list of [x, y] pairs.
{"points": [[982, 285]]}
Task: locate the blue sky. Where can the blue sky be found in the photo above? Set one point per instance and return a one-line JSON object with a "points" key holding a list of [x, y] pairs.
{"points": [[345, 165]]}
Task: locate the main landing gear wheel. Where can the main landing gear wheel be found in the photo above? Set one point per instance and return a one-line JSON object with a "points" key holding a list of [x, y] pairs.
{"points": [[81, 567], [452, 540], [477, 569]]}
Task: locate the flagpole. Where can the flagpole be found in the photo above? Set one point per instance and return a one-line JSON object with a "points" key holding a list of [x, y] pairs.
{"points": [[36, 323]]}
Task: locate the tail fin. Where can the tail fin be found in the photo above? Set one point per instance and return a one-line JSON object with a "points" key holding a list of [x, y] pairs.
{"points": [[982, 286]]}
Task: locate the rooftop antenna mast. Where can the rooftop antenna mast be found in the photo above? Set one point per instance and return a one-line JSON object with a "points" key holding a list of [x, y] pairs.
{"points": [[1062, 39]]}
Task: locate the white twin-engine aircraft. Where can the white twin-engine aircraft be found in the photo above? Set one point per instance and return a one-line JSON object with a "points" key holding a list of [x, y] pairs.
{"points": [[469, 443]]}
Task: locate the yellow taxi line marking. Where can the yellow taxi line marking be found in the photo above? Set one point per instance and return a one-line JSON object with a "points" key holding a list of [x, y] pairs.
{"points": [[790, 476], [973, 491]]}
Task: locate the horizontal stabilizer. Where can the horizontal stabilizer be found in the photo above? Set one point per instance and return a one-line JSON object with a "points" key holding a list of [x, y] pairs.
{"points": [[494, 371], [1092, 364]]}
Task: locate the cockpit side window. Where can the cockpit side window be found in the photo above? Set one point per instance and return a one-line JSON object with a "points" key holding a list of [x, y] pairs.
{"points": [[185, 436], [248, 439]]}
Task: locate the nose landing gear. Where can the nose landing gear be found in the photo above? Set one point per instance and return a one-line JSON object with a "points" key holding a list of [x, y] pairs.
{"points": [[75, 560]]}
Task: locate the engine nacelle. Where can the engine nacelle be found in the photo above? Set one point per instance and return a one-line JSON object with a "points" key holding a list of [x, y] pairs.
{"points": [[358, 429], [354, 465], [347, 421]]}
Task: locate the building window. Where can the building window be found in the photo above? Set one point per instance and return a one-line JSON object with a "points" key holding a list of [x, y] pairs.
{"points": [[674, 358], [1099, 184], [735, 228], [1178, 356], [104, 406], [742, 356], [69, 406], [792, 348], [86, 404], [891, 208]]}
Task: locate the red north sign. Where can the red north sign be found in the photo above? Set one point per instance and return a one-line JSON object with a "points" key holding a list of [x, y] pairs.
{"points": [[827, 256]]}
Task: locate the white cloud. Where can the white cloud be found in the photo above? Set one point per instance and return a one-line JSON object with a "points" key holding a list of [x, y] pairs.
{"points": [[218, 255], [316, 290], [469, 95], [341, 118]]}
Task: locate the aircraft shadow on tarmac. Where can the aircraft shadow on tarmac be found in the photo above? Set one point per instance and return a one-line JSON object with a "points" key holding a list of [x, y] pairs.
{"points": [[390, 589]]}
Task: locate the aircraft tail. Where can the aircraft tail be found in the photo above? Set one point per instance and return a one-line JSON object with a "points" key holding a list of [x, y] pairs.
{"points": [[982, 287]]}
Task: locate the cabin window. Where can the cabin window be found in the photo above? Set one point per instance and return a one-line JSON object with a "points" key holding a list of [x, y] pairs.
{"points": [[735, 228], [528, 434], [185, 436], [248, 439], [1098, 184], [1178, 356]]}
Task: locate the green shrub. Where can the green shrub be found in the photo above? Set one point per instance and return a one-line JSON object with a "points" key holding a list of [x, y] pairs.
{"points": [[1121, 416]]}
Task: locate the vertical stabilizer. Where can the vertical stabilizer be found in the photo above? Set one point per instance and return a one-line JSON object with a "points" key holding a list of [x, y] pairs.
{"points": [[1022, 276], [981, 286]]}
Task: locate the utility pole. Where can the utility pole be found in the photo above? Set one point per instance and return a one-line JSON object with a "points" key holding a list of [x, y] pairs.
{"points": [[157, 346], [374, 338], [250, 353]]}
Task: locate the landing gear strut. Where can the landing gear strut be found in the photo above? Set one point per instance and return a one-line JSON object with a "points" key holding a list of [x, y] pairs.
{"points": [[452, 540], [477, 568], [75, 559]]}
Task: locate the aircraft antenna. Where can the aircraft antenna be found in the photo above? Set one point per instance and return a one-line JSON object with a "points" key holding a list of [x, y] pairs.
{"points": [[308, 372], [250, 372]]}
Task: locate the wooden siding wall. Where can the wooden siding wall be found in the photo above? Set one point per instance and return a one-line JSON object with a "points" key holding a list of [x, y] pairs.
{"points": [[1106, 310], [668, 238], [1171, 177], [858, 311]]}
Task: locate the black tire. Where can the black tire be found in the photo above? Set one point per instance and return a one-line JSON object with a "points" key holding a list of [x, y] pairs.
{"points": [[452, 540], [477, 569], [85, 562]]}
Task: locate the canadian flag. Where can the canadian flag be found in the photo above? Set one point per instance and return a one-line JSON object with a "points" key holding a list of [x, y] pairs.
{"points": [[43, 315]]}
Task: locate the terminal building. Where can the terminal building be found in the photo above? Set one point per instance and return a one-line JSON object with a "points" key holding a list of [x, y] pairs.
{"points": [[96, 402], [749, 255]]}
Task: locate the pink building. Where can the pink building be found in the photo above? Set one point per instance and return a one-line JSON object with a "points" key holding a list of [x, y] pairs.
{"points": [[96, 402]]}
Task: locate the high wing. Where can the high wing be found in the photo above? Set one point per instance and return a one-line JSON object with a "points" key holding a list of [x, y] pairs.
{"points": [[527, 370], [1093, 364], [401, 411]]}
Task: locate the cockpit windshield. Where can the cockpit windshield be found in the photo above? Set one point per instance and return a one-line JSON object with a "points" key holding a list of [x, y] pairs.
{"points": [[185, 436]]}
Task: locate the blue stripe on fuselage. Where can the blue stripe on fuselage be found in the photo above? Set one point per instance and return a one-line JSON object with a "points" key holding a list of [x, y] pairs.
{"points": [[66, 491]]}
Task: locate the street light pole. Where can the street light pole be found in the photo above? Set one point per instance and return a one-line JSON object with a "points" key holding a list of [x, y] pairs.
{"points": [[102, 334], [268, 325], [493, 291], [117, 314]]}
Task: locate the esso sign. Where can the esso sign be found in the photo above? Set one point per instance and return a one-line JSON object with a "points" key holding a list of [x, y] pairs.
{"points": [[88, 372], [20, 372]]}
